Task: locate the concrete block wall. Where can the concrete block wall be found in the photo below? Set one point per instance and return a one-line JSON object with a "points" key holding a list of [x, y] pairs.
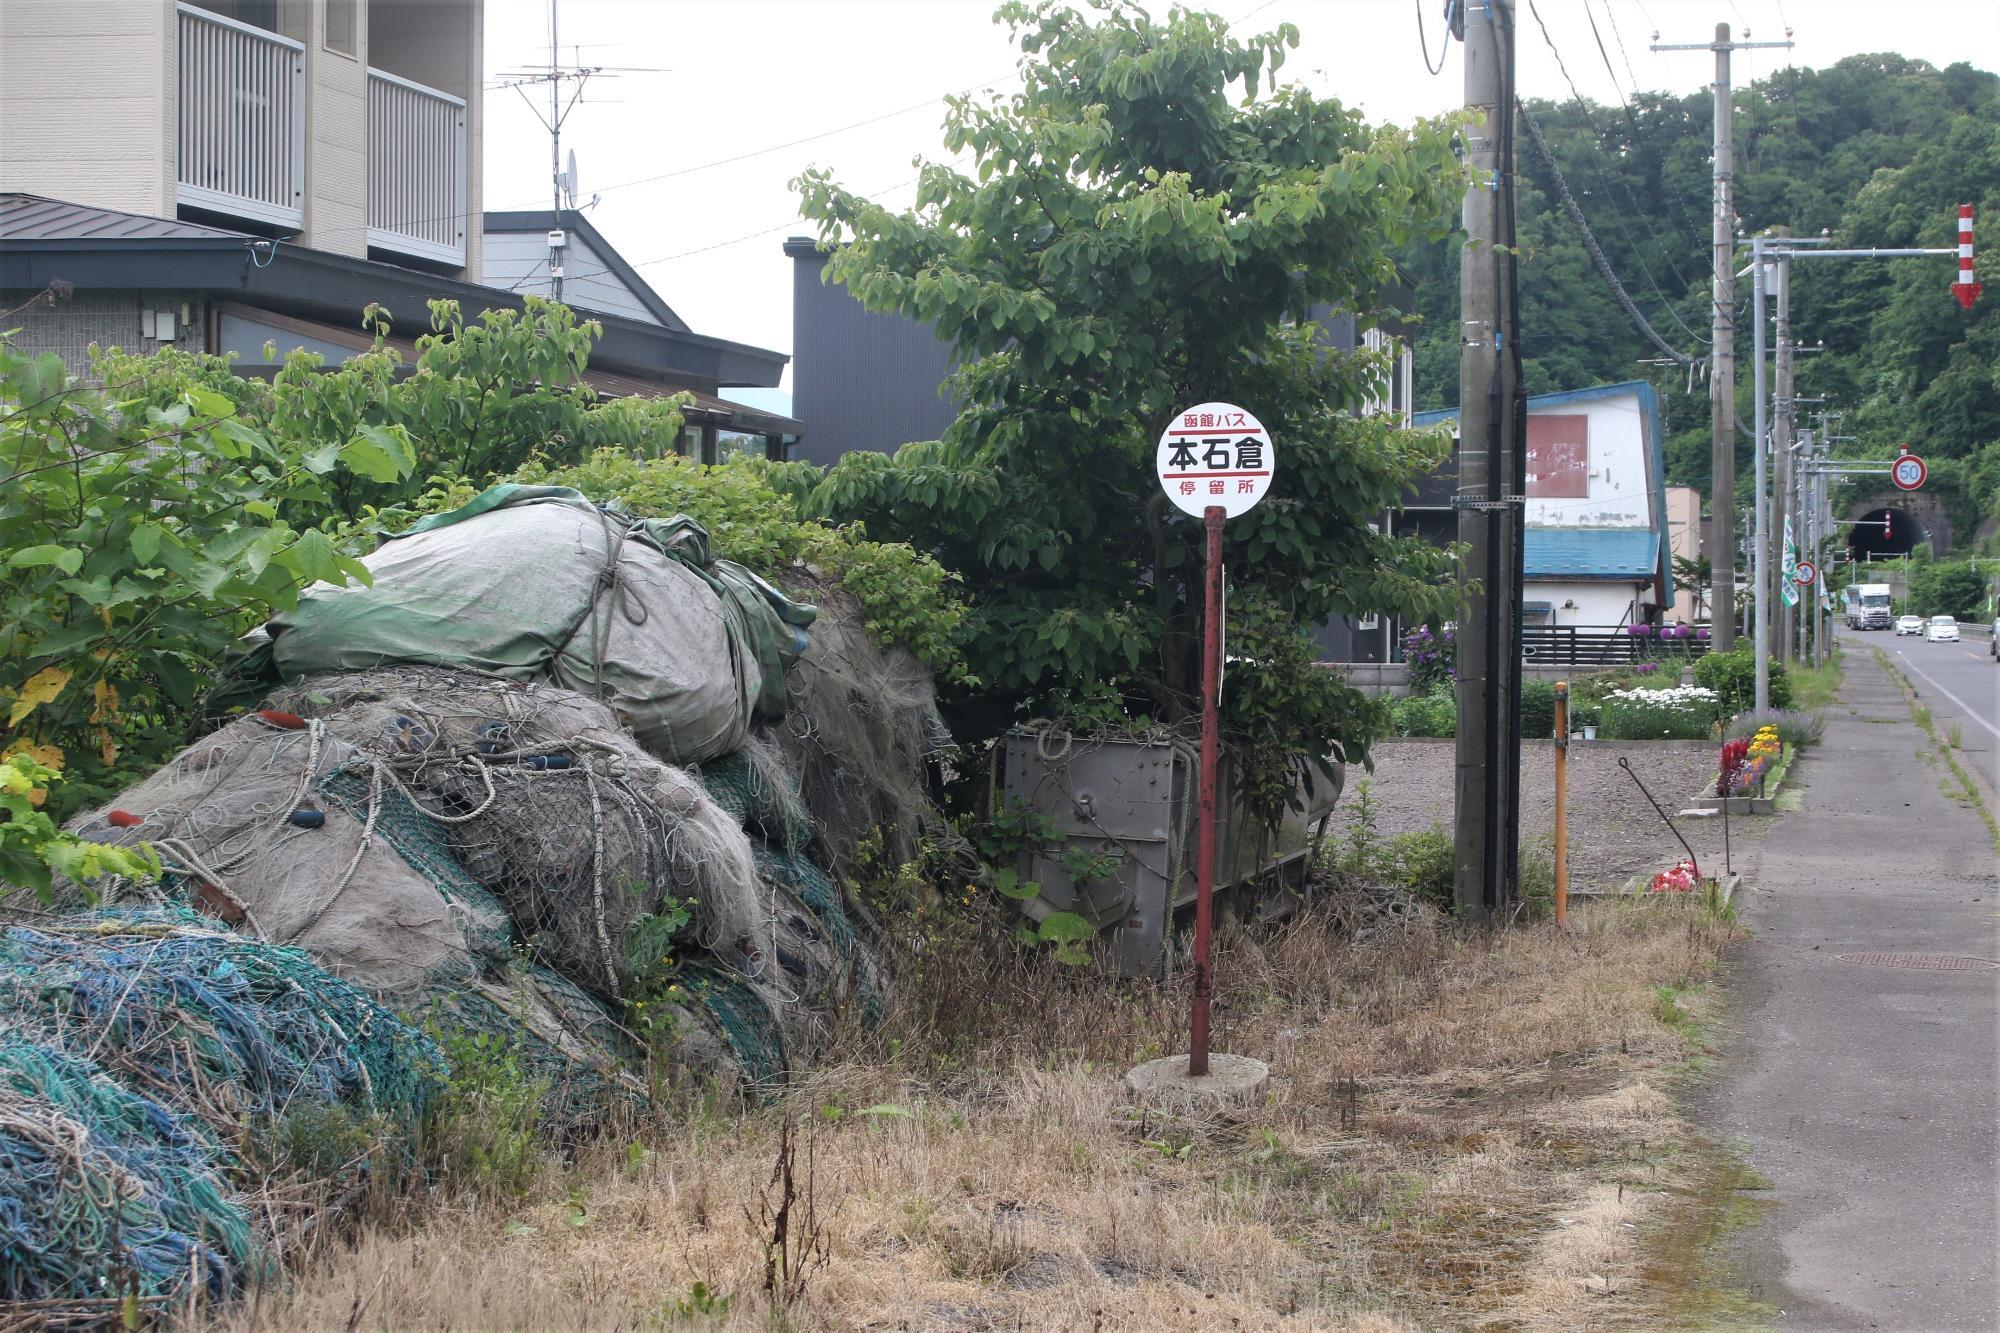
{"points": [[106, 318]]}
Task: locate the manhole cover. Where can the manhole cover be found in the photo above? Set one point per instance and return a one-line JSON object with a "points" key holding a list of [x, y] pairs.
{"points": [[1929, 962]]}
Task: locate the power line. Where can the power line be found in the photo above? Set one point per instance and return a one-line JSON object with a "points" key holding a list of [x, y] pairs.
{"points": [[1597, 258], [1583, 105], [1424, 43], [1623, 54]]}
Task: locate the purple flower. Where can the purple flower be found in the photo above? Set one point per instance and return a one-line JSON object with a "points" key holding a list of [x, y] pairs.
{"points": [[1639, 631], [1701, 634]]}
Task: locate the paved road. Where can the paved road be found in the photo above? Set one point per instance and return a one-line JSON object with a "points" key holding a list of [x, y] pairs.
{"points": [[1867, 1093], [1960, 683]]}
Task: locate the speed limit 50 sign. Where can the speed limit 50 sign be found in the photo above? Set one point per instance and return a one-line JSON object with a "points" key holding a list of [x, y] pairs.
{"points": [[1907, 473]]}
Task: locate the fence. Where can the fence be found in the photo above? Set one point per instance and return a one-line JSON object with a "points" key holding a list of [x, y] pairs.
{"points": [[1603, 645]]}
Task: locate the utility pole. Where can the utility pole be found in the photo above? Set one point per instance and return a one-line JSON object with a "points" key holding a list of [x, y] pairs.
{"points": [[1722, 350], [1782, 433], [1760, 541], [1490, 490]]}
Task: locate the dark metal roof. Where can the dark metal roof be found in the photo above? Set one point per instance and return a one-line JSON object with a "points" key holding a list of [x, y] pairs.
{"points": [[313, 284], [547, 220], [30, 217]]}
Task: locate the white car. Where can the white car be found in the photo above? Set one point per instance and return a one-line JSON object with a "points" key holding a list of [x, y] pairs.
{"points": [[1942, 629], [1909, 625]]}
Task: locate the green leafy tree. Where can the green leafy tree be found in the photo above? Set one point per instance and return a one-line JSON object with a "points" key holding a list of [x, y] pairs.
{"points": [[144, 525], [1148, 225]]}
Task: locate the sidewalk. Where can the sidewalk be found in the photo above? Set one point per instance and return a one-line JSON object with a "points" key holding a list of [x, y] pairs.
{"points": [[1867, 1093]]}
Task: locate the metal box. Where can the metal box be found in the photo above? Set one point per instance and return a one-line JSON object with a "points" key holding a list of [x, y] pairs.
{"points": [[1137, 799]]}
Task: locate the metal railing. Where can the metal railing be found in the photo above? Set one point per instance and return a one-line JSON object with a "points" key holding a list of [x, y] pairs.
{"points": [[1602, 645], [416, 169], [241, 119]]}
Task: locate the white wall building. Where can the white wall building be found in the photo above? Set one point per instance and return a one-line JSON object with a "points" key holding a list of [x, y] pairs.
{"points": [[1597, 553]]}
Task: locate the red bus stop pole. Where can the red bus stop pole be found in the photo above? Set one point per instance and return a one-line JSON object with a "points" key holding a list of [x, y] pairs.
{"points": [[1204, 843]]}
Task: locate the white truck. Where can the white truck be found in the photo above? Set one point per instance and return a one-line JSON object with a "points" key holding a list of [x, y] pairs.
{"points": [[1870, 606]]}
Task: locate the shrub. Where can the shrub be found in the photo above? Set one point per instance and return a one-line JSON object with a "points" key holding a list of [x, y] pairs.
{"points": [[1422, 863], [1793, 728], [1433, 715], [1431, 657], [1538, 709], [1683, 713], [1733, 676]]}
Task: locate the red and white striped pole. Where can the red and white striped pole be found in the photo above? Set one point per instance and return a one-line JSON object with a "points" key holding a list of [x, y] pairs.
{"points": [[1966, 289]]}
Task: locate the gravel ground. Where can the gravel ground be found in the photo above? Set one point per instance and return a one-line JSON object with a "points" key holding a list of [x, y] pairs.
{"points": [[1613, 832]]}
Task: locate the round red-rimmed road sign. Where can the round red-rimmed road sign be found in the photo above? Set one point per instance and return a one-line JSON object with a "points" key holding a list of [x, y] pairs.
{"points": [[1907, 473], [1804, 573], [1215, 454]]}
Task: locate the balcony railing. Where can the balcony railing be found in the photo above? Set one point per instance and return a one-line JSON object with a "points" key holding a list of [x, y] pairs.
{"points": [[416, 170], [241, 120]]}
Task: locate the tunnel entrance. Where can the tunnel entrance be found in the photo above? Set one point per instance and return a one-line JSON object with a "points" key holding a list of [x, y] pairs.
{"points": [[1884, 533]]}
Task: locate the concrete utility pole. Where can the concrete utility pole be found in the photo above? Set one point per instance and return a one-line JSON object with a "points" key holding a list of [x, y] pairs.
{"points": [[1491, 464], [1760, 541], [1782, 433], [1722, 352]]}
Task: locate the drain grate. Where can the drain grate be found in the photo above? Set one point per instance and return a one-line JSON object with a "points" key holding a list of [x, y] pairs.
{"points": [[1929, 962]]}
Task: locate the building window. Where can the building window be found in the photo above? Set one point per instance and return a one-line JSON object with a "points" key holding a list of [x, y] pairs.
{"points": [[340, 27]]}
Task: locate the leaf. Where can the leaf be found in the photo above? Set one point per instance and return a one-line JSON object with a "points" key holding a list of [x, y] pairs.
{"points": [[312, 556], [65, 558], [146, 542], [25, 869], [1065, 927], [520, 1228], [45, 686], [380, 453], [886, 1108]]}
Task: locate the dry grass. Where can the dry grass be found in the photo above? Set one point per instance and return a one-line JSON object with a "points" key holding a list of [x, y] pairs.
{"points": [[1462, 1131]]}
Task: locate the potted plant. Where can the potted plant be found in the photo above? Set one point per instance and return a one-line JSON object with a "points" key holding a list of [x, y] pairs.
{"points": [[1583, 716]]}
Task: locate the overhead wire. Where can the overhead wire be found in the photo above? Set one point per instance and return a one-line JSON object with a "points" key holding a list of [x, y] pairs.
{"points": [[1597, 258], [1424, 42], [1598, 136]]}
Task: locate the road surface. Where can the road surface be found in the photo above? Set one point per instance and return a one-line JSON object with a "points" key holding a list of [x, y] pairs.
{"points": [[1959, 683], [1865, 1087]]}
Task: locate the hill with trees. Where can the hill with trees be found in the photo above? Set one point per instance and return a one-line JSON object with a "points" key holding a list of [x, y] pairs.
{"points": [[1877, 150]]}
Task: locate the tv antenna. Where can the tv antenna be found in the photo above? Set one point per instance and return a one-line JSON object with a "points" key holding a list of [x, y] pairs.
{"points": [[566, 84]]}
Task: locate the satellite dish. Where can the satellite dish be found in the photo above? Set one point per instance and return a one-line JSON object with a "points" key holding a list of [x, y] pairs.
{"points": [[569, 177]]}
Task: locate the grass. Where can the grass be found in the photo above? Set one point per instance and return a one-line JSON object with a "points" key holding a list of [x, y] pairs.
{"points": [[1814, 688], [1461, 1127]]}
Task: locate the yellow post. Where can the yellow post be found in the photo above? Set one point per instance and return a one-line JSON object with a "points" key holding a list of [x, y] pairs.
{"points": [[1562, 784]]}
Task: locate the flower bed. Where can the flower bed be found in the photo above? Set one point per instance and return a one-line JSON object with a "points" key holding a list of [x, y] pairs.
{"points": [[1749, 771], [1678, 712]]}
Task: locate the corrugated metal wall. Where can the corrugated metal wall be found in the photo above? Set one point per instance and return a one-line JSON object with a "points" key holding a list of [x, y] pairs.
{"points": [[859, 381]]}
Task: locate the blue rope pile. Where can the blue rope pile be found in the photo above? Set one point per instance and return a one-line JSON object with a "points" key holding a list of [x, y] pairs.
{"points": [[103, 1192], [143, 1048]]}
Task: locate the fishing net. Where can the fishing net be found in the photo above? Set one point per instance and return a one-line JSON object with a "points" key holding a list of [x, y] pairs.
{"points": [[102, 1191], [547, 801], [860, 732], [288, 831], [223, 1028], [143, 1051], [759, 791]]}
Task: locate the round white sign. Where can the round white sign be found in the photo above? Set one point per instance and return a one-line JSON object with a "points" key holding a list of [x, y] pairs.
{"points": [[1907, 472], [1216, 454], [1804, 573]]}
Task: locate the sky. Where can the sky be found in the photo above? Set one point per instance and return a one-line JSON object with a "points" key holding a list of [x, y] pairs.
{"points": [[719, 104]]}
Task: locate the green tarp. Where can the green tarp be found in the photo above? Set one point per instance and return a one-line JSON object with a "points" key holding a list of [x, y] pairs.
{"points": [[537, 582]]}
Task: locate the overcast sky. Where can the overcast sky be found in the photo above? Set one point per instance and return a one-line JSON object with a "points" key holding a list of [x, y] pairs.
{"points": [[693, 171]]}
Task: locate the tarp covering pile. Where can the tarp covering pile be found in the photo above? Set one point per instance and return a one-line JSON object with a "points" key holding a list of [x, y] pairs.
{"points": [[537, 583], [549, 766]]}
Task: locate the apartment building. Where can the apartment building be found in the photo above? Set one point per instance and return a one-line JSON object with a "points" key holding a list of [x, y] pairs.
{"points": [[227, 175]]}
